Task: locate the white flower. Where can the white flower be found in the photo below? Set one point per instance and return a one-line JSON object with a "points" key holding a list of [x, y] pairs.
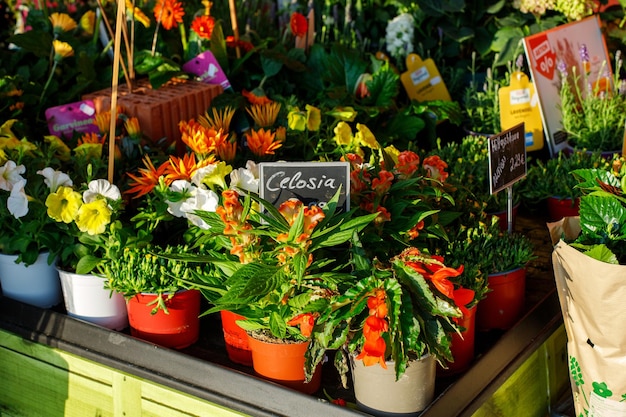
{"points": [[253, 167], [10, 175], [399, 36], [55, 179], [205, 200], [187, 190], [201, 173], [101, 188], [244, 179], [17, 203]]}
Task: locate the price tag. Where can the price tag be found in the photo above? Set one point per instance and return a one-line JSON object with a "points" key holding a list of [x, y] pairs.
{"points": [[422, 80], [507, 158]]}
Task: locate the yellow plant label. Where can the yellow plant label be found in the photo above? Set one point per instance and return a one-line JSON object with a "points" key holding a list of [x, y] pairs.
{"points": [[422, 80], [519, 103]]}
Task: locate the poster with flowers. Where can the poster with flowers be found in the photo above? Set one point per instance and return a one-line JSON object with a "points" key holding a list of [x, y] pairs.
{"points": [[562, 48]]}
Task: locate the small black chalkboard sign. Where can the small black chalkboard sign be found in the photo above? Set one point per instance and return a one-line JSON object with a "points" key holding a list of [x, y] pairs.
{"points": [[313, 183], [507, 158]]}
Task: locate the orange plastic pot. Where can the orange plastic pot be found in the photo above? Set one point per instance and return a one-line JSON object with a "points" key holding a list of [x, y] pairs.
{"points": [[462, 346], [504, 304], [283, 363], [559, 208], [178, 329], [236, 339]]}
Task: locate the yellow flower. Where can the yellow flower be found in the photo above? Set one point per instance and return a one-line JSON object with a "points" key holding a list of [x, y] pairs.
{"points": [[25, 146], [8, 140], [89, 150], [296, 120], [88, 22], [343, 134], [94, 217], [346, 114], [220, 120], [365, 137], [60, 149], [313, 118], [217, 176], [137, 14], [3, 157], [133, 128], [62, 22], [61, 50], [393, 153], [264, 115], [63, 205]]}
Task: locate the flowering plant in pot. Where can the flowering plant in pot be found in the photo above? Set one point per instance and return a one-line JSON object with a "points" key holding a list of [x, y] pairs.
{"points": [[29, 173], [592, 103]]}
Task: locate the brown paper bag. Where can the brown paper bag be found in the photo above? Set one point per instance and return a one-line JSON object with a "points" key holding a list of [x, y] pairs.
{"points": [[592, 295]]}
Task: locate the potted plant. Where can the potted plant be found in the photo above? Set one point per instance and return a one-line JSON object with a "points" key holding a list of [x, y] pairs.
{"points": [[278, 270], [29, 171], [551, 181], [481, 103], [393, 318], [592, 104]]}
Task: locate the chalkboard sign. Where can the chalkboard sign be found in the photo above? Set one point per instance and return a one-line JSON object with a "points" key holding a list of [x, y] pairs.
{"points": [[313, 183], [507, 158]]}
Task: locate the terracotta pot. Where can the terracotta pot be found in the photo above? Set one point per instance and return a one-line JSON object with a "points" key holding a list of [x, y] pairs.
{"points": [[236, 339], [559, 208], [178, 329], [37, 284], [462, 346], [378, 393], [504, 304], [283, 363], [86, 299]]}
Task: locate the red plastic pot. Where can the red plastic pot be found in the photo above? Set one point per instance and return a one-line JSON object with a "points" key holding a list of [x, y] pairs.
{"points": [[559, 208], [283, 363], [236, 339], [178, 329], [462, 346], [504, 304]]}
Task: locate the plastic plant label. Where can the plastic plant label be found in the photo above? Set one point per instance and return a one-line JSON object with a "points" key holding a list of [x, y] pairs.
{"points": [[206, 67], [422, 80], [77, 117], [519, 103]]}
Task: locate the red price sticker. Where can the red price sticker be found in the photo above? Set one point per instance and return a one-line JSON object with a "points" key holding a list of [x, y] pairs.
{"points": [[543, 56]]}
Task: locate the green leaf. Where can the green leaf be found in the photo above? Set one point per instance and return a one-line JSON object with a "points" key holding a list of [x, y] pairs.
{"points": [[278, 326], [36, 41], [86, 264]]}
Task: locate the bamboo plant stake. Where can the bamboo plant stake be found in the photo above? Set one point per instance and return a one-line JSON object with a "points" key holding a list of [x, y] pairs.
{"points": [[121, 10]]}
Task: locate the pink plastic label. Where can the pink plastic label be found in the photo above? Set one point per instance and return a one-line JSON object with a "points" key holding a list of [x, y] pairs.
{"points": [[208, 69], [77, 117]]}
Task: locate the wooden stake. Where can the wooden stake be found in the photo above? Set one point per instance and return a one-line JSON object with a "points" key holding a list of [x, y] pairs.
{"points": [[110, 32], [121, 11], [233, 22]]}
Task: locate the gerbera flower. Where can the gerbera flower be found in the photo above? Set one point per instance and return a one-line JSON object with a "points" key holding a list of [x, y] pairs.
{"points": [[62, 50], [169, 13], [220, 119], [147, 179], [63, 204], [88, 22], [264, 115], [255, 97], [262, 142], [133, 128], [137, 14], [62, 22], [183, 168], [203, 26]]}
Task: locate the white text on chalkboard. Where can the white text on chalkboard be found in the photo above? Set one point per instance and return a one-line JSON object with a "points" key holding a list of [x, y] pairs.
{"points": [[280, 180]]}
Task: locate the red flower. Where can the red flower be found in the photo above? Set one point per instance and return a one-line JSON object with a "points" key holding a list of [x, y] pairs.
{"points": [[232, 43], [203, 26], [254, 98], [415, 230], [299, 24], [340, 401], [169, 13], [306, 322], [436, 168], [382, 184], [462, 297], [373, 352], [408, 163]]}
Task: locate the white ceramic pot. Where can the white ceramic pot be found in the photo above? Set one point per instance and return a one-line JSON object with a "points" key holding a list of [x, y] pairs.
{"points": [[87, 299], [378, 393], [37, 284]]}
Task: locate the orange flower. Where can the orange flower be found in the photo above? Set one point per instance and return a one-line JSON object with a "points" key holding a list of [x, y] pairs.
{"points": [[462, 297], [183, 168], [415, 230], [169, 13], [147, 179], [408, 163], [382, 184], [226, 151], [436, 168], [203, 26], [299, 24], [201, 140], [377, 304], [264, 115], [91, 138], [290, 209], [232, 43], [306, 322], [133, 128], [254, 98], [312, 216], [373, 352], [262, 142], [103, 120]]}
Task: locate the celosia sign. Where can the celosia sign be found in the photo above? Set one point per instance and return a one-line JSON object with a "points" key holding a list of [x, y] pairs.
{"points": [[507, 158], [313, 183]]}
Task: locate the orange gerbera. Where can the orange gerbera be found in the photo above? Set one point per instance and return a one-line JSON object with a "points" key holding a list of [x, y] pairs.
{"points": [[91, 138], [262, 142], [254, 98], [201, 140], [169, 13], [220, 119], [203, 26], [147, 179], [184, 168], [298, 24], [264, 115]]}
